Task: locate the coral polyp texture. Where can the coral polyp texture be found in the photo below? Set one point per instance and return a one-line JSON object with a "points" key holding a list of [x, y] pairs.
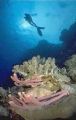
{"points": [[48, 93], [36, 65], [71, 67]]}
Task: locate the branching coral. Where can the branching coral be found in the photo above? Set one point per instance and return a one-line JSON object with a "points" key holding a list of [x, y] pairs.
{"points": [[49, 94], [35, 66]]}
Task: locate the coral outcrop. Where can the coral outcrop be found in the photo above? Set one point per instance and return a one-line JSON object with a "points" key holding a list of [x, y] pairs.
{"points": [[48, 92], [68, 36], [34, 66], [3, 107], [71, 67]]}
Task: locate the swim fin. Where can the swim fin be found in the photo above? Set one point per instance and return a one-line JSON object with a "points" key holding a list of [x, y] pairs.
{"points": [[39, 30]]}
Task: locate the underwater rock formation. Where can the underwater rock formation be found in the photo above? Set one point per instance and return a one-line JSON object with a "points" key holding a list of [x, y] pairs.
{"points": [[70, 65], [44, 48], [48, 93], [3, 109], [68, 36], [3, 92]]}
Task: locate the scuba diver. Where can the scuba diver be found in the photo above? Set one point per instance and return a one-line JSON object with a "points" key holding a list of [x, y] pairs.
{"points": [[28, 18]]}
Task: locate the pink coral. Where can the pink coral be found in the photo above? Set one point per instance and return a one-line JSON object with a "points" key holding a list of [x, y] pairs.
{"points": [[26, 101], [36, 80]]}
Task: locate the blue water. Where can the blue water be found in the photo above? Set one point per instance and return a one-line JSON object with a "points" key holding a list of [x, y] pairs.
{"points": [[20, 41]]}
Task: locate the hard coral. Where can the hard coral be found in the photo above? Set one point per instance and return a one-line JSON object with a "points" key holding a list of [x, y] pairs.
{"points": [[34, 66], [71, 67], [51, 94], [3, 102]]}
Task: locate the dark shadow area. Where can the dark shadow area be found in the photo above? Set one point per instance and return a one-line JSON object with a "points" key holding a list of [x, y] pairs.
{"points": [[20, 118], [45, 49], [73, 117], [62, 4], [69, 40]]}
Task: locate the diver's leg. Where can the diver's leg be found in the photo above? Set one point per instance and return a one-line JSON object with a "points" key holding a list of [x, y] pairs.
{"points": [[33, 24]]}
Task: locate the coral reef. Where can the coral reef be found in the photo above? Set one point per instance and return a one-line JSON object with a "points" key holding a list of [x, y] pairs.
{"points": [[34, 66], [71, 67], [68, 37], [3, 92], [5, 112], [48, 93], [3, 107]]}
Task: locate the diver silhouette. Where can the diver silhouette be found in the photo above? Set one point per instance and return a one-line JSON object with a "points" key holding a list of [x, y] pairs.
{"points": [[28, 18]]}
